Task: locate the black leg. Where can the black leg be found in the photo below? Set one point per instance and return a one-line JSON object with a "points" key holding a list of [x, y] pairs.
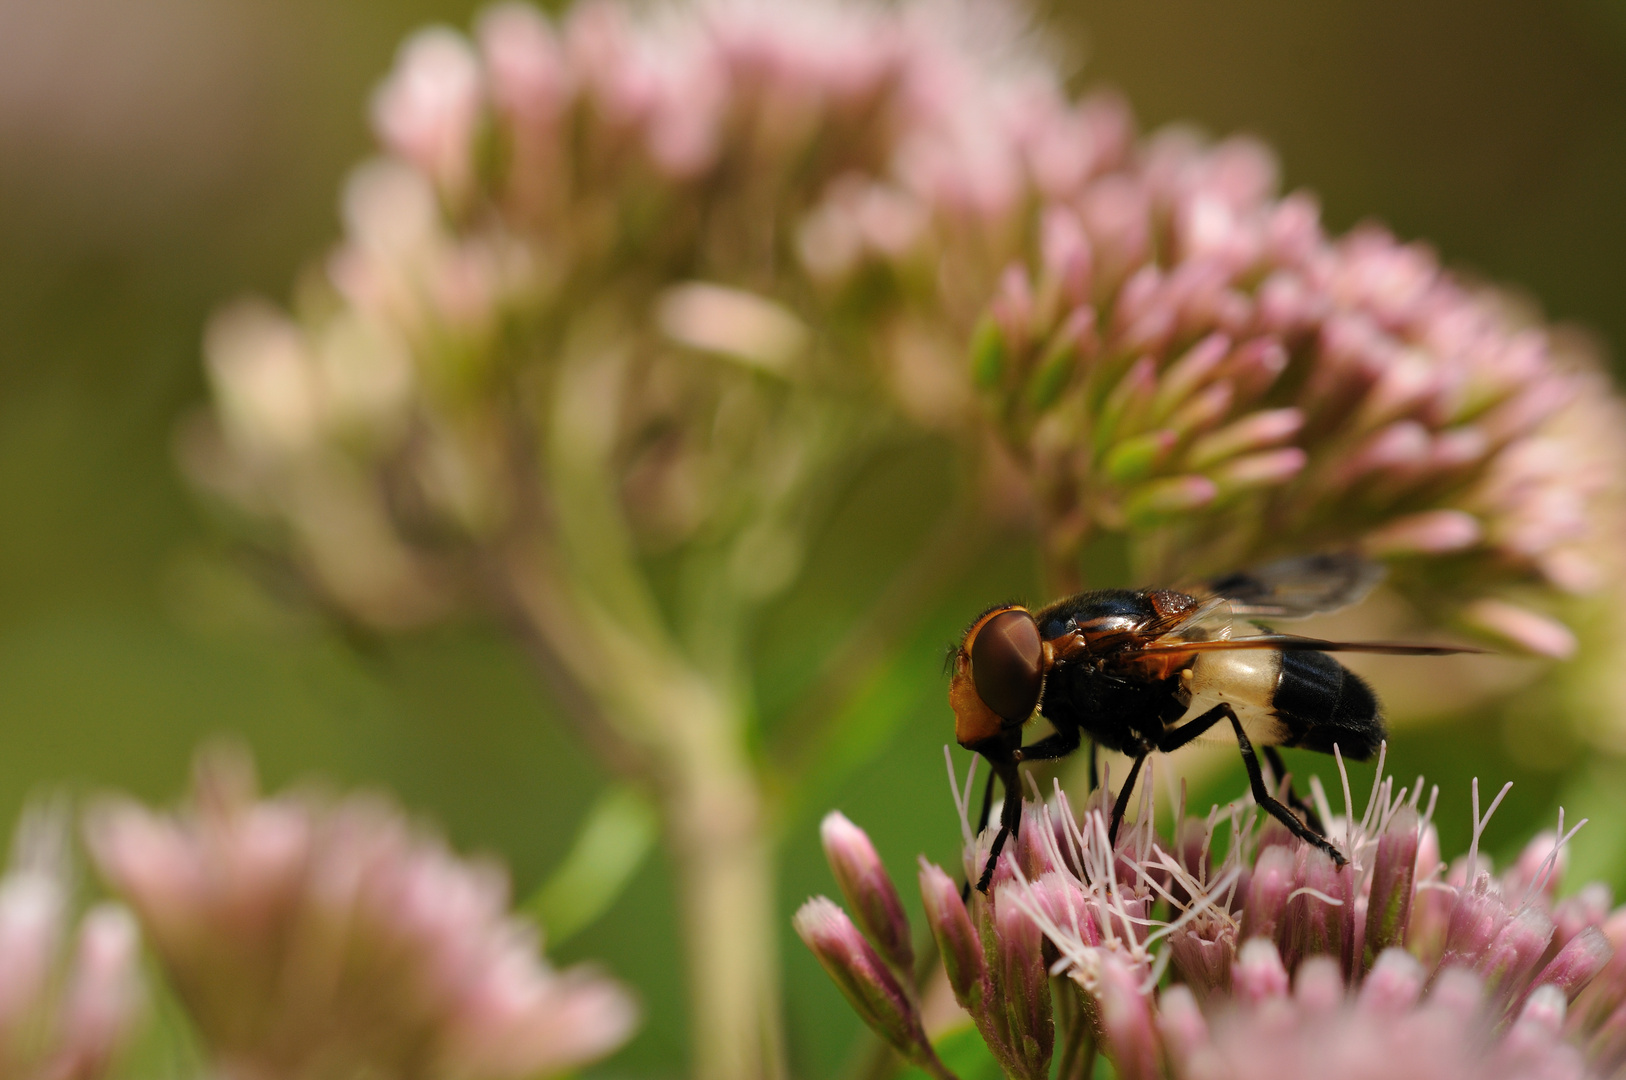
{"points": [[1256, 779], [1051, 747], [1273, 756], [987, 804], [1010, 822], [1122, 802], [1095, 771], [1194, 728], [982, 823]]}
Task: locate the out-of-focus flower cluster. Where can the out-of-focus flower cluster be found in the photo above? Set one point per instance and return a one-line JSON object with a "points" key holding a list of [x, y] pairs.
{"points": [[755, 223], [1268, 962], [1189, 357], [317, 940], [71, 994]]}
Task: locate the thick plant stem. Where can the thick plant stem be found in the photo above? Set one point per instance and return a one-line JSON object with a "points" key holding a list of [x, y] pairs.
{"points": [[688, 745], [724, 866]]}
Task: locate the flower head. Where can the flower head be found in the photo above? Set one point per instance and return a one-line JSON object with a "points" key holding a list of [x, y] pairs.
{"points": [[313, 939], [1275, 961]]}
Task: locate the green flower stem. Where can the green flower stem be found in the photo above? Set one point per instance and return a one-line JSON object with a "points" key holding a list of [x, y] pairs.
{"points": [[587, 608]]}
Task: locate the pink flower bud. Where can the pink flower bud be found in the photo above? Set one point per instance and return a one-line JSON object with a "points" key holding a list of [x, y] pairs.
{"points": [[1388, 906], [1126, 1022], [1204, 965], [427, 110], [862, 976], [869, 891], [1577, 963], [1183, 1026], [1318, 985], [524, 63], [1267, 893], [1520, 626], [1254, 367], [1531, 1046], [1256, 431], [1268, 469], [1394, 983], [1021, 983], [1258, 973], [1190, 373], [1433, 532], [957, 941], [1512, 958], [1161, 499], [1066, 253], [1588, 907], [105, 992], [1321, 918]]}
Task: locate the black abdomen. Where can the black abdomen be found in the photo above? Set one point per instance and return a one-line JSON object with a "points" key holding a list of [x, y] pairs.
{"points": [[1321, 702]]}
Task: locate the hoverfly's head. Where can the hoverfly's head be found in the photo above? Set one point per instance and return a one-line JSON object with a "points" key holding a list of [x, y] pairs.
{"points": [[998, 676]]}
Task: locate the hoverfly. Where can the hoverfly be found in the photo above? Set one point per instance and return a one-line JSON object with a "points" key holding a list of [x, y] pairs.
{"points": [[1138, 671]]}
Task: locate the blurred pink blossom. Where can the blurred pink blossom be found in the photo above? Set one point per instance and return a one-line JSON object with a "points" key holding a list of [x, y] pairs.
{"points": [[312, 938], [71, 996]]}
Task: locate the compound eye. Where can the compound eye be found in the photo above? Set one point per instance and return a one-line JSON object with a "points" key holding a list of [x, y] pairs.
{"points": [[1006, 665]]}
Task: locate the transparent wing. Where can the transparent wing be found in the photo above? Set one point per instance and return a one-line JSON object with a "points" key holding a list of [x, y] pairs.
{"points": [[1294, 643], [1211, 620], [1298, 587]]}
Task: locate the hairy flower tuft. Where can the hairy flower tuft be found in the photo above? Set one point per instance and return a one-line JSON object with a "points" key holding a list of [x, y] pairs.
{"points": [[1277, 963]]}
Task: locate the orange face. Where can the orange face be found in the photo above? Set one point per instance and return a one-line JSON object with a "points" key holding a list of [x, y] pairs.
{"points": [[998, 675]]}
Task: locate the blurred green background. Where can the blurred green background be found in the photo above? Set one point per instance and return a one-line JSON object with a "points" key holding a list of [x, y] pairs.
{"points": [[158, 157]]}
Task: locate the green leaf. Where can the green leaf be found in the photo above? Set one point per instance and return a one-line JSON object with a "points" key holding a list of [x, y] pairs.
{"points": [[987, 354], [613, 842], [1135, 459], [1054, 372]]}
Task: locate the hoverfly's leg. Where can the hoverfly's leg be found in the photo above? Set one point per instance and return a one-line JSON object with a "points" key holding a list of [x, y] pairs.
{"points": [[980, 824], [987, 804], [1256, 779], [1194, 728], [1274, 756], [1122, 803], [1057, 745], [993, 857], [1010, 822], [1095, 769]]}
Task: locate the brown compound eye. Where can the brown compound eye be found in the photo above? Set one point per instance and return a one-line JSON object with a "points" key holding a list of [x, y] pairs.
{"points": [[1007, 665]]}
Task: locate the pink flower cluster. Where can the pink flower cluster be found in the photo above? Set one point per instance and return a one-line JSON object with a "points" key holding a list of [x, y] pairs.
{"points": [[1188, 357], [898, 207], [65, 1012], [312, 940], [1265, 965]]}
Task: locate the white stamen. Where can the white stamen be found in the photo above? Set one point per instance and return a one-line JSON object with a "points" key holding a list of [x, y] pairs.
{"points": [[1549, 865], [1479, 827], [954, 790], [1318, 795], [1349, 803]]}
